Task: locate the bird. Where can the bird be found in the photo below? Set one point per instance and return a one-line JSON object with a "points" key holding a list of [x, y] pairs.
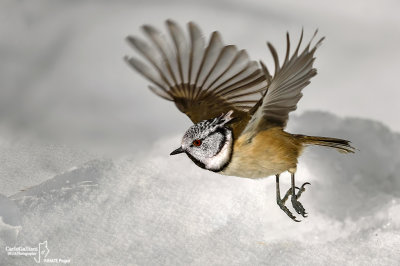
{"points": [[238, 108]]}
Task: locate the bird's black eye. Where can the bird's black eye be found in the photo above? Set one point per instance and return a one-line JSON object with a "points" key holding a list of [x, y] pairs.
{"points": [[197, 142]]}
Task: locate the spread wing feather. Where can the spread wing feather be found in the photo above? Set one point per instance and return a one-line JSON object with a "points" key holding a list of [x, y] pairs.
{"points": [[284, 90], [203, 81]]}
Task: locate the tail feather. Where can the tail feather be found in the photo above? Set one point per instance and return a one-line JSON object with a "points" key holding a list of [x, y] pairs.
{"points": [[340, 144]]}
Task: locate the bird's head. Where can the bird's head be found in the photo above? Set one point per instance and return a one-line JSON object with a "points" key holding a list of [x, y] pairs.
{"points": [[209, 143]]}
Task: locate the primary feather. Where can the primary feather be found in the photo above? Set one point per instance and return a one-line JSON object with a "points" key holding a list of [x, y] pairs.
{"points": [[203, 80], [285, 87]]}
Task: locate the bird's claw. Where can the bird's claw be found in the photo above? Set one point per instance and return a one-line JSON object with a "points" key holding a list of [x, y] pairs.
{"points": [[301, 189], [298, 207], [281, 204]]}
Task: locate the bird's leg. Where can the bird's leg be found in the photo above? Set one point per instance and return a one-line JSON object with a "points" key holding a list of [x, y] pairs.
{"points": [[281, 202], [297, 204], [288, 193]]}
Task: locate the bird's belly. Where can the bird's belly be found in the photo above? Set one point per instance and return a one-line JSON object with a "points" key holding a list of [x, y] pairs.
{"points": [[269, 153], [253, 168]]}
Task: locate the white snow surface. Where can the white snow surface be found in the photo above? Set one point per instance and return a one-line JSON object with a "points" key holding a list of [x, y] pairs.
{"points": [[164, 210]]}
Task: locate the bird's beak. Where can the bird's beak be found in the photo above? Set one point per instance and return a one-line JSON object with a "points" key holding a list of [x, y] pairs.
{"points": [[177, 151]]}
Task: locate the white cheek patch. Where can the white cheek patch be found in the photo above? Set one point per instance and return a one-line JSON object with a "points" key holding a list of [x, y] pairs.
{"points": [[217, 162]]}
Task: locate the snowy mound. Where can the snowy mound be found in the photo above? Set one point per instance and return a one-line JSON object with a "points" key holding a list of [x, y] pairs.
{"points": [[10, 221], [162, 210]]}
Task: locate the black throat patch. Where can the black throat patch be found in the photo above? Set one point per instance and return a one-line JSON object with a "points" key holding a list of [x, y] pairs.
{"points": [[197, 162]]}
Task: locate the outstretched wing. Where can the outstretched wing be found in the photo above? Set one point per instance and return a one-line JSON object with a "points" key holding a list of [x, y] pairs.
{"points": [[284, 90], [203, 81]]}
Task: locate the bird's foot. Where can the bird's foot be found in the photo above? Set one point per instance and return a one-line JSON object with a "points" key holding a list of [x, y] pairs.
{"points": [[301, 189], [298, 207], [296, 204], [281, 204]]}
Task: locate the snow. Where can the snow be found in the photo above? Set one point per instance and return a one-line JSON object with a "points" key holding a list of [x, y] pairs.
{"points": [[26, 162], [10, 221], [164, 210]]}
